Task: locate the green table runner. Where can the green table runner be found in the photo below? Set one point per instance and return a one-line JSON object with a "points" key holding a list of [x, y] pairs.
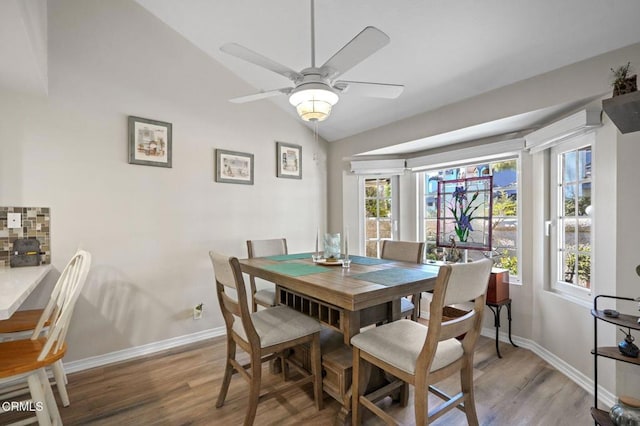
{"points": [[295, 269], [395, 276], [282, 257], [361, 260]]}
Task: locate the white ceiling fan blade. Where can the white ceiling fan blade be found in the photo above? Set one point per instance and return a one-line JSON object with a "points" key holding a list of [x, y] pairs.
{"points": [[366, 43], [249, 55], [261, 95], [374, 90]]}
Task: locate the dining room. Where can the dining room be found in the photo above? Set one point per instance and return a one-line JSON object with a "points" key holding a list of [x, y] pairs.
{"points": [[119, 127]]}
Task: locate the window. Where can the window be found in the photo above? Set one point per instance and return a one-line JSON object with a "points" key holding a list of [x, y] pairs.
{"points": [[505, 232], [379, 213], [571, 182]]}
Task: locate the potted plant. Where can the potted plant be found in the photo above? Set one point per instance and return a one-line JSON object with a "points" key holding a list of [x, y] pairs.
{"points": [[622, 81]]}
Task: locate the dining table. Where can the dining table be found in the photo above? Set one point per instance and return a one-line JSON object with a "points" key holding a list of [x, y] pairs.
{"points": [[16, 284], [345, 299]]}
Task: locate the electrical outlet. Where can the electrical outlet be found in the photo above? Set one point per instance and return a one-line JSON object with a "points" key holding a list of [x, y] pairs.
{"points": [[14, 220], [197, 312]]}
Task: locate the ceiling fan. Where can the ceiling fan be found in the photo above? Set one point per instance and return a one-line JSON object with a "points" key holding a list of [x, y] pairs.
{"points": [[315, 89]]}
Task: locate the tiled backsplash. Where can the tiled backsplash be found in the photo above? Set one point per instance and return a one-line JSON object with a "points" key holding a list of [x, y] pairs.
{"points": [[36, 223]]}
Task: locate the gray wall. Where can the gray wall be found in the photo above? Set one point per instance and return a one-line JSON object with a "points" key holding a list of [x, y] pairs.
{"points": [[149, 228]]}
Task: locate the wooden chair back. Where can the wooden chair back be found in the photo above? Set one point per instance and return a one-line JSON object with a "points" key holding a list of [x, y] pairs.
{"points": [[403, 251], [235, 310], [58, 311], [271, 247], [456, 283], [262, 248]]}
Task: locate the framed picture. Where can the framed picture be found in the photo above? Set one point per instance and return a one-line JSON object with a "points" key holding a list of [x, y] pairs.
{"points": [[289, 160], [149, 142], [234, 167]]}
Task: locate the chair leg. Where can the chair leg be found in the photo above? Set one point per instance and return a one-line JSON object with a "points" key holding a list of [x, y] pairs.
{"points": [[37, 395], [254, 388], [228, 372], [361, 374], [316, 370], [52, 405], [58, 373], [416, 307], [466, 384], [421, 403]]}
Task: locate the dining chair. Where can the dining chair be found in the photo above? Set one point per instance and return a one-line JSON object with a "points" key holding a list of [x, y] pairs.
{"points": [[266, 295], [422, 356], [27, 359], [264, 335], [405, 251]]}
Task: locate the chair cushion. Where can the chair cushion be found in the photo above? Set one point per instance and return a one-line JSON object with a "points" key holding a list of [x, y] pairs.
{"points": [[266, 297], [279, 324], [406, 305], [399, 343]]}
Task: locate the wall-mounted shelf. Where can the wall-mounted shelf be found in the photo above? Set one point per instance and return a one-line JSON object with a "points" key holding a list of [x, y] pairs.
{"points": [[624, 111]]}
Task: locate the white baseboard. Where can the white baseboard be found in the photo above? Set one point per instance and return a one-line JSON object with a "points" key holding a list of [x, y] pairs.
{"points": [[585, 382], [138, 351]]}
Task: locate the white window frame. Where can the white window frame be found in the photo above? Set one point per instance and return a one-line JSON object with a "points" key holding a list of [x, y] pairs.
{"points": [[395, 228], [570, 291], [513, 279]]}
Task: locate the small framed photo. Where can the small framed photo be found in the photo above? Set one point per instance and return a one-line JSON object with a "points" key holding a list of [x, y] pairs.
{"points": [[234, 167], [149, 142], [289, 160]]}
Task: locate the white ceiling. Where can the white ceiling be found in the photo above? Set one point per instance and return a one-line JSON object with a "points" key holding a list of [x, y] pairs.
{"points": [[442, 51]]}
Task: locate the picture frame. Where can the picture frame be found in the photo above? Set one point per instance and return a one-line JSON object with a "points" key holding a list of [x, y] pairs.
{"points": [[150, 142], [288, 160], [234, 167]]}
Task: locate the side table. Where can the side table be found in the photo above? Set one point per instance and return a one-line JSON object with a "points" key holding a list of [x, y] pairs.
{"points": [[495, 308]]}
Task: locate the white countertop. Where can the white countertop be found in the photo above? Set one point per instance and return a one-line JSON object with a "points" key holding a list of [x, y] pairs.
{"points": [[16, 284]]}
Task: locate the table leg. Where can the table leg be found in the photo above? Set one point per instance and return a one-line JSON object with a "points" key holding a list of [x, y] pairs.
{"points": [[496, 323], [509, 317]]}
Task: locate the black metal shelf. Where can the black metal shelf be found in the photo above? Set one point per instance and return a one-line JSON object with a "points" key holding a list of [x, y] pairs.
{"points": [[627, 321]]}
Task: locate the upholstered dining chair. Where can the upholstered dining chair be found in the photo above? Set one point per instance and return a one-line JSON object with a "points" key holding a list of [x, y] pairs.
{"points": [[422, 356], [27, 359], [265, 293], [264, 335], [405, 251]]}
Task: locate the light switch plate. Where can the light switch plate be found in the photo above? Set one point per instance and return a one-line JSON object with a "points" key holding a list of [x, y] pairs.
{"points": [[14, 220]]}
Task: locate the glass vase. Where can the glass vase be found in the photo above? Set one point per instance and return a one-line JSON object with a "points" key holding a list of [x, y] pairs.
{"points": [[626, 412]]}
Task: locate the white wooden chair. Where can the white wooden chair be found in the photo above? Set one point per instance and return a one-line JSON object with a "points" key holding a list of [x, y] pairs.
{"points": [[405, 251], [27, 359], [264, 335], [421, 356], [263, 292]]}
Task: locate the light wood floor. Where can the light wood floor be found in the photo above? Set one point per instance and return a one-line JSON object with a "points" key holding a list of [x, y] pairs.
{"points": [[179, 387]]}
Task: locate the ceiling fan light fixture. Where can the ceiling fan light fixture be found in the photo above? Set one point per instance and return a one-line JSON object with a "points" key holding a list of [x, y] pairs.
{"points": [[313, 102]]}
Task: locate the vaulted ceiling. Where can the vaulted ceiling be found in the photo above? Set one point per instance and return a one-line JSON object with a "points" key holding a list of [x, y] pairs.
{"points": [[442, 52]]}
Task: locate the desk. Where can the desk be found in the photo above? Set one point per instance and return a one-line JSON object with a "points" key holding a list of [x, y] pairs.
{"points": [[16, 284], [341, 298]]}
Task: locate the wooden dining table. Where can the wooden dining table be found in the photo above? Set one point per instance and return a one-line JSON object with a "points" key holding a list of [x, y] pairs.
{"points": [[344, 299]]}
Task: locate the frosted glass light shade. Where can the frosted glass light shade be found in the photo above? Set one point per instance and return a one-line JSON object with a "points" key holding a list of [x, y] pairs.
{"points": [[313, 104]]}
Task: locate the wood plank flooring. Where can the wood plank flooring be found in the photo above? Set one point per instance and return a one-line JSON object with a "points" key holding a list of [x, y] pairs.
{"points": [[180, 386]]}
